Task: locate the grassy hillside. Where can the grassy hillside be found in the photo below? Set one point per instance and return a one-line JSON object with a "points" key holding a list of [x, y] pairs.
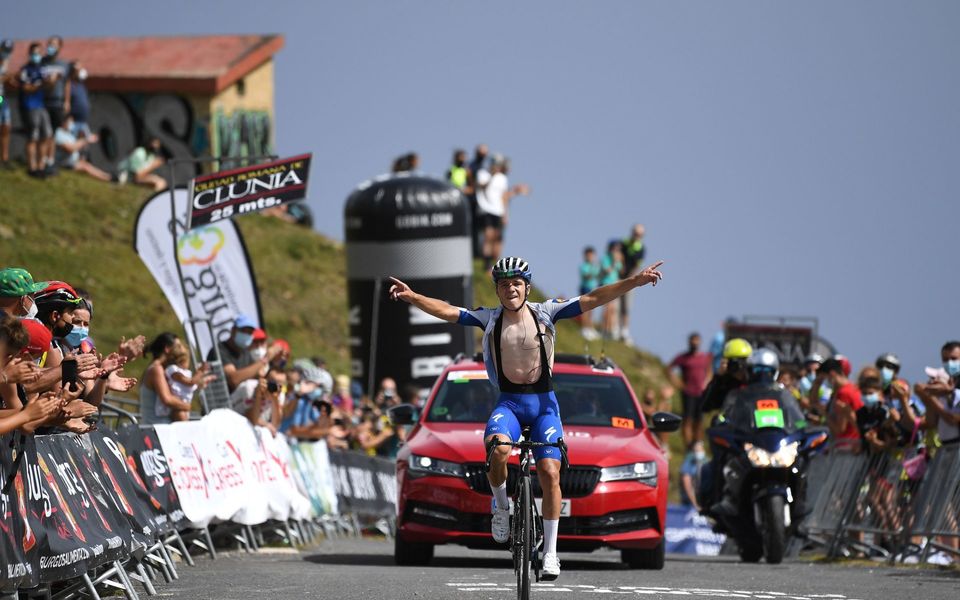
{"points": [[79, 230]]}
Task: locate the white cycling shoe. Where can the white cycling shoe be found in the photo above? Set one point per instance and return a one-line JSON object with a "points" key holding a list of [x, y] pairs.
{"points": [[500, 526], [551, 567]]}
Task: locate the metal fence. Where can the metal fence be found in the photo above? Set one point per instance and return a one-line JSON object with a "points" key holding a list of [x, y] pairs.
{"points": [[894, 506]]}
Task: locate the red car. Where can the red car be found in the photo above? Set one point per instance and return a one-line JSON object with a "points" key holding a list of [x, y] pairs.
{"points": [[614, 492]]}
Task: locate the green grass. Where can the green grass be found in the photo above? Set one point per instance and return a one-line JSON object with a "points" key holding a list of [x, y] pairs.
{"points": [[79, 230]]}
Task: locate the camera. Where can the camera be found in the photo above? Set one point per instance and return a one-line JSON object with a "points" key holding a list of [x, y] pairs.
{"points": [[273, 387]]}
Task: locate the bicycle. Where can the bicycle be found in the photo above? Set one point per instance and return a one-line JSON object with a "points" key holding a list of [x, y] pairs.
{"points": [[526, 537]]}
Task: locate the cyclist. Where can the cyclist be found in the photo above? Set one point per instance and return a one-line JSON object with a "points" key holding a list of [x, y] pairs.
{"points": [[518, 344]]}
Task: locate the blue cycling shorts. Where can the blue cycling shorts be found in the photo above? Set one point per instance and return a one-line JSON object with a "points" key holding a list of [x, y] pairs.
{"points": [[540, 411]]}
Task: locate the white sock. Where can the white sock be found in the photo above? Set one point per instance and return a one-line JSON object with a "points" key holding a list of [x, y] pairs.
{"points": [[500, 493], [550, 535]]}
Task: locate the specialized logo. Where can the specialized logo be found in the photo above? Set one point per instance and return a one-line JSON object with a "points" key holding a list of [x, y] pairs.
{"points": [[496, 418], [550, 432], [200, 246]]}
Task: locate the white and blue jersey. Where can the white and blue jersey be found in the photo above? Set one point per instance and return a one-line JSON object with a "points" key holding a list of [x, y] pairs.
{"points": [[533, 404]]}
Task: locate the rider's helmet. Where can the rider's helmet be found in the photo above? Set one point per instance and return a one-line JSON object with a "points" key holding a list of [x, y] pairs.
{"points": [[512, 266], [764, 365], [737, 348], [888, 360]]}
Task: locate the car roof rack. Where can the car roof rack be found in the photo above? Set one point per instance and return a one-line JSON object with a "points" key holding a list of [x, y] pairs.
{"points": [[585, 359]]}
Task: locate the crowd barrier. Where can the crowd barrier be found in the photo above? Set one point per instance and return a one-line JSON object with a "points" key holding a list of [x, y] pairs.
{"points": [[892, 506], [113, 506]]}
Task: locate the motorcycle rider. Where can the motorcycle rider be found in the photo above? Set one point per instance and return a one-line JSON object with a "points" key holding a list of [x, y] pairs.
{"points": [[740, 407], [731, 375]]}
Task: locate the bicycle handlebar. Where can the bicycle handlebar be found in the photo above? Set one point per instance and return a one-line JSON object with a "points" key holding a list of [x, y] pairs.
{"points": [[528, 445]]}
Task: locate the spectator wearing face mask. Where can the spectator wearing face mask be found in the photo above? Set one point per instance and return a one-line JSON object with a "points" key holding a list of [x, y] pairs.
{"points": [[261, 400], [70, 149], [6, 117], [307, 414], [387, 396], [56, 97], [80, 102], [13, 340], [34, 113], [239, 364], [17, 289], [690, 474], [941, 397]]}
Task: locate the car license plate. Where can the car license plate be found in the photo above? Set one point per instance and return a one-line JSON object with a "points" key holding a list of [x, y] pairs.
{"points": [[564, 506]]}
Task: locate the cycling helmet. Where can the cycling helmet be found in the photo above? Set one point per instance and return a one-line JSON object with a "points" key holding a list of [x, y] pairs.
{"points": [[764, 365], [58, 291], [512, 266], [737, 348], [813, 357], [888, 359]]}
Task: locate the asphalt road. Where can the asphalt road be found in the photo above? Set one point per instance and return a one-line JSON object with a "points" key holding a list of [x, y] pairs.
{"points": [[364, 570]]}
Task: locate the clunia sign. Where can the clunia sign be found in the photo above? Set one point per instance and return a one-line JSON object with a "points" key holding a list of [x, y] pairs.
{"points": [[247, 190]]}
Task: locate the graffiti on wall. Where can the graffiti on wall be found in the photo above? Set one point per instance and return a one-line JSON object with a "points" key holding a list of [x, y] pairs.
{"points": [[124, 121]]}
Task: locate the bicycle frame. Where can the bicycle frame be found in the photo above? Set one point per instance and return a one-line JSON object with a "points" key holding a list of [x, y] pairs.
{"points": [[527, 531]]}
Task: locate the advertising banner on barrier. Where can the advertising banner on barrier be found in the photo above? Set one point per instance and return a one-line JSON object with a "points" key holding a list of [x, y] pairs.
{"points": [[247, 190], [19, 557], [365, 484], [311, 467], [149, 464], [80, 523], [285, 499], [144, 513], [218, 283], [210, 480], [687, 532]]}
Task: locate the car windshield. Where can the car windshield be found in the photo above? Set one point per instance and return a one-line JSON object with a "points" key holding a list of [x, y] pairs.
{"points": [[469, 397]]}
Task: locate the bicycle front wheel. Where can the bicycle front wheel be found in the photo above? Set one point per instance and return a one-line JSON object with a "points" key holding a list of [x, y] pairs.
{"points": [[525, 513]]}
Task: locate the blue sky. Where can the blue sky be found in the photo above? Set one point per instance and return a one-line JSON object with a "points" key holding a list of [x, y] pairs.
{"points": [[786, 158]]}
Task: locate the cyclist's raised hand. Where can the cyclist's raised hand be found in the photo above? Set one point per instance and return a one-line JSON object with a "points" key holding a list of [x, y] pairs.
{"points": [[400, 291], [650, 274]]}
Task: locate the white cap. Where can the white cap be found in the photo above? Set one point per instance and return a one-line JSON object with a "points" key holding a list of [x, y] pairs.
{"points": [[938, 374]]}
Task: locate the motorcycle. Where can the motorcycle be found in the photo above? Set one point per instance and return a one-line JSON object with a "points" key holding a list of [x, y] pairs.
{"points": [[765, 453]]}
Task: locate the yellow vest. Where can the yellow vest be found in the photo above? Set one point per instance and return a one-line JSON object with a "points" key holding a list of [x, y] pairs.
{"points": [[458, 176]]}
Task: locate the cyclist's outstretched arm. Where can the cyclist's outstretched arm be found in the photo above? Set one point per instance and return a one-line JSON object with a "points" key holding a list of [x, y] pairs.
{"points": [[432, 306], [608, 293]]}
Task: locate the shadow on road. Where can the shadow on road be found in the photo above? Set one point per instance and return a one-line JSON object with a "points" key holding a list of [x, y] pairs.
{"points": [[475, 562]]}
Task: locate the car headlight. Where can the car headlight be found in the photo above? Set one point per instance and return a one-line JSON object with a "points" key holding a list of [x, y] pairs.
{"points": [[433, 466], [784, 457], [645, 472]]}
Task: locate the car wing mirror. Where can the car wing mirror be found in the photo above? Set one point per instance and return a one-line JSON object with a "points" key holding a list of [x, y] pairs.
{"points": [[664, 422], [403, 414]]}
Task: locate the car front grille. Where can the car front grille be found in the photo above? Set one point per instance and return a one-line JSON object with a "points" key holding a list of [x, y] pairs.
{"points": [[575, 482], [444, 517]]}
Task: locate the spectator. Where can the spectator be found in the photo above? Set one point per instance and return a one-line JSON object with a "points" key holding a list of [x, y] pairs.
{"points": [[458, 174], [633, 253], [35, 116], [338, 438], [788, 379], [342, 399], [182, 382], [259, 399], [493, 200], [6, 117], [17, 289], [239, 364], [309, 415], [843, 407], [694, 367], [56, 97], [69, 151], [650, 405], [407, 162], [157, 400], [410, 394], [387, 396], [690, 475], [139, 166], [475, 166], [80, 102], [940, 395], [283, 355], [610, 268], [13, 372], [589, 280], [376, 437]]}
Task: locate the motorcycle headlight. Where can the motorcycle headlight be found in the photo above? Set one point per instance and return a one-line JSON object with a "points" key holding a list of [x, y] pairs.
{"points": [[425, 465], [784, 457], [645, 472]]}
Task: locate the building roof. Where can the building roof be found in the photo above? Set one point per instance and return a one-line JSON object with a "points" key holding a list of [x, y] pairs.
{"points": [[203, 64]]}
